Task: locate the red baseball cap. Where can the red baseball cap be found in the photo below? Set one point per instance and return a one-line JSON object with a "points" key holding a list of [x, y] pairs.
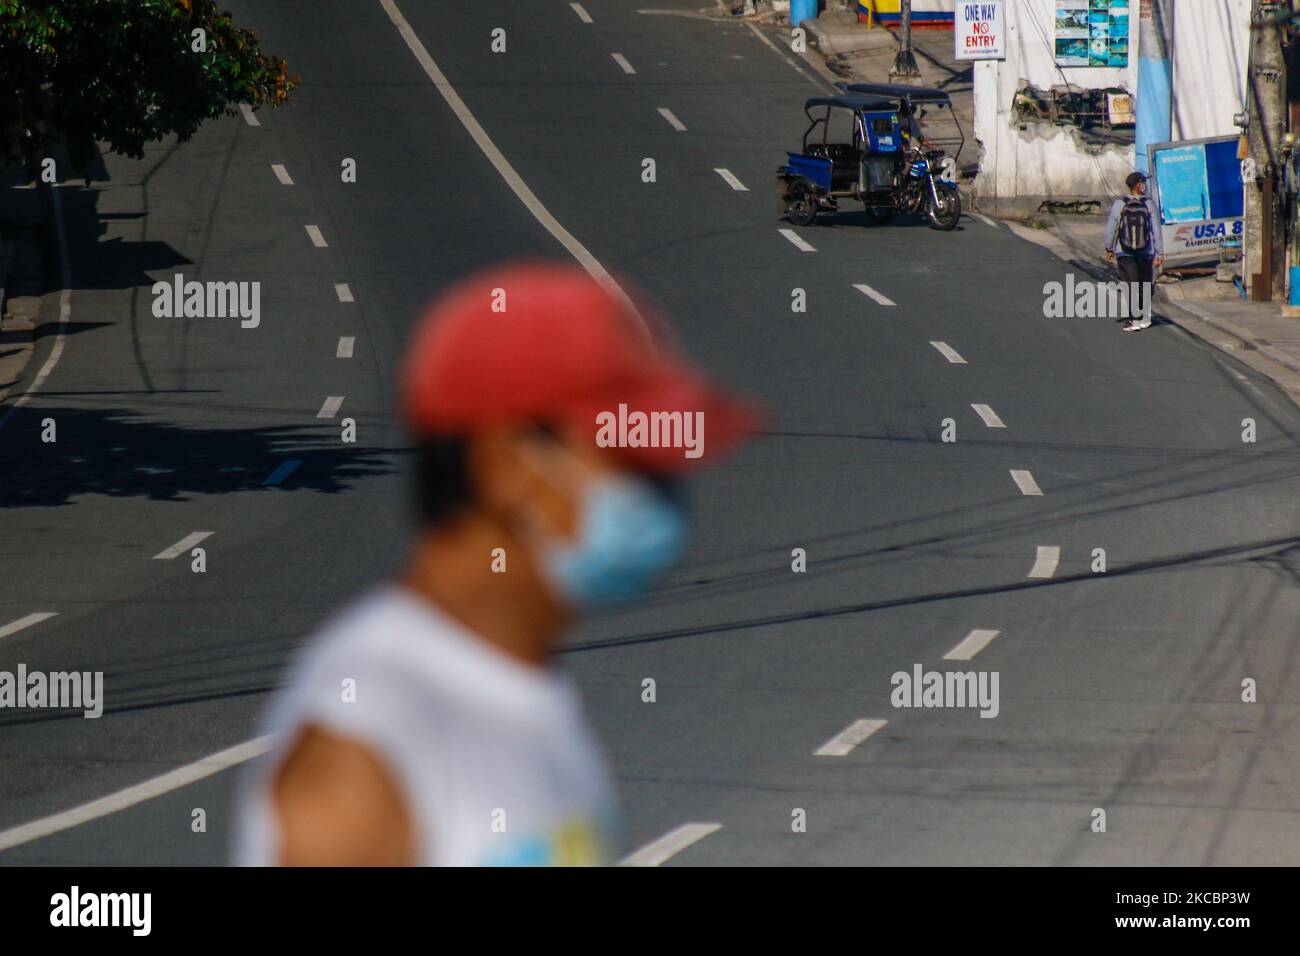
{"points": [[545, 342]]}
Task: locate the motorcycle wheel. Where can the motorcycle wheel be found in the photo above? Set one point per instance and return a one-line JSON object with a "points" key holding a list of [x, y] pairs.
{"points": [[946, 215], [800, 205]]}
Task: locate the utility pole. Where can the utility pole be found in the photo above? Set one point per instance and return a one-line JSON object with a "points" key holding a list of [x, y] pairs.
{"points": [[905, 62], [1266, 106]]}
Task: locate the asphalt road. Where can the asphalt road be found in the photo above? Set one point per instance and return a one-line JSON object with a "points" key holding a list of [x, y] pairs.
{"points": [[1118, 690]]}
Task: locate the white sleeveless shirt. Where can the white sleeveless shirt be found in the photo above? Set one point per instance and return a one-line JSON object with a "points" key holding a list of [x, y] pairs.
{"points": [[494, 757]]}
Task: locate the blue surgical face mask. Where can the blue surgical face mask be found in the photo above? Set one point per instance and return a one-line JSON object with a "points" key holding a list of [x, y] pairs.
{"points": [[629, 531]]}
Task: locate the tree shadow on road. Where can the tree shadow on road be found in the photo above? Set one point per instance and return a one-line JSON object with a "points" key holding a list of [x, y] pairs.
{"points": [[111, 451]]}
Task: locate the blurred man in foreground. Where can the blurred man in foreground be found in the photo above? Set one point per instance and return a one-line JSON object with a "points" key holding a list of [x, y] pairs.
{"points": [[425, 725]]}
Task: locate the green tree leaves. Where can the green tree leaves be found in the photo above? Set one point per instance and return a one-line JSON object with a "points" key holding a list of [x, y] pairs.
{"points": [[123, 72]]}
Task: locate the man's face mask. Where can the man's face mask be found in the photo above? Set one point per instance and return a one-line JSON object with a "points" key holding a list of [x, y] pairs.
{"points": [[629, 529]]}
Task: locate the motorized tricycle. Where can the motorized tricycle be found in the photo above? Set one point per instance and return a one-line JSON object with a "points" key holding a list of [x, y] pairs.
{"points": [[876, 155]]}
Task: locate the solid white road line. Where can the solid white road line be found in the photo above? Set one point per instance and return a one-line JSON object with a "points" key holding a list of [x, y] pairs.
{"points": [[1025, 482], [621, 60], [989, 415], [798, 243], [317, 239], [282, 174], [249, 116], [181, 546], [670, 844], [330, 407], [848, 738], [731, 180], [970, 645], [873, 294], [13, 627], [948, 352], [583, 15], [346, 342], [283, 471], [672, 119], [1045, 562], [985, 219], [343, 292], [180, 777], [502, 165], [781, 53]]}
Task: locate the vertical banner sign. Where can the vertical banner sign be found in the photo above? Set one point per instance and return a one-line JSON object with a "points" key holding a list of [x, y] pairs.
{"points": [[1198, 186], [980, 30]]}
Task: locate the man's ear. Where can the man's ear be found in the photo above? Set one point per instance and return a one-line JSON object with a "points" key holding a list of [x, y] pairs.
{"points": [[498, 476]]}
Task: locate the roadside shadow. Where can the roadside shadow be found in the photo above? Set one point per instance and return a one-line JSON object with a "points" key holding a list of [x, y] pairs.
{"points": [[119, 453]]}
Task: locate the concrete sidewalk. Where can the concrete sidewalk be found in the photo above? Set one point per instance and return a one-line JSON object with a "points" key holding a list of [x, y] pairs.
{"points": [[23, 270]]}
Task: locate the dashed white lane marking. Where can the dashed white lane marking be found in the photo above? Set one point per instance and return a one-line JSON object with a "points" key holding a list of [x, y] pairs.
{"points": [[502, 165], [621, 60], [989, 416], [183, 545], [1025, 482], [249, 116], [317, 240], [583, 15], [343, 292], [798, 242], [948, 352], [282, 174], [848, 738], [330, 407], [730, 179], [346, 343], [672, 119], [283, 471], [1045, 562], [174, 780], [971, 644], [985, 219], [670, 844], [871, 293], [13, 627]]}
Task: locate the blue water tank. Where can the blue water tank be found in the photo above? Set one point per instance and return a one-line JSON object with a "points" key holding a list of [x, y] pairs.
{"points": [[801, 10]]}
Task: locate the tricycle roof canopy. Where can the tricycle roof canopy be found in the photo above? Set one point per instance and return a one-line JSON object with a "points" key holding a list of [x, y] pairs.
{"points": [[900, 91], [850, 101]]}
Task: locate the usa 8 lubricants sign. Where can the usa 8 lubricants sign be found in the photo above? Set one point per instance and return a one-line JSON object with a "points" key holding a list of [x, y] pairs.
{"points": [[980, 30]]}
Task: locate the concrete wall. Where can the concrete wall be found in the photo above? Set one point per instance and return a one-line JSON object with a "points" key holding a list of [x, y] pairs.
{"points": [[1022, 168]]}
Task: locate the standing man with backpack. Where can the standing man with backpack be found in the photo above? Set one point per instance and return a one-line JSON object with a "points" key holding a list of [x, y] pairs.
{"points": [[1135, 245]]}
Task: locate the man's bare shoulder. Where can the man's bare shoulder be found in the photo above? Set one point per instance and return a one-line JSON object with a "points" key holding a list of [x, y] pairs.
{"points": [[339, 804]]}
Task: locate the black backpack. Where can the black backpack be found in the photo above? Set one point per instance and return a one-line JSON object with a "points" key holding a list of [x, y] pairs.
{"points": [[1135, 225]]}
